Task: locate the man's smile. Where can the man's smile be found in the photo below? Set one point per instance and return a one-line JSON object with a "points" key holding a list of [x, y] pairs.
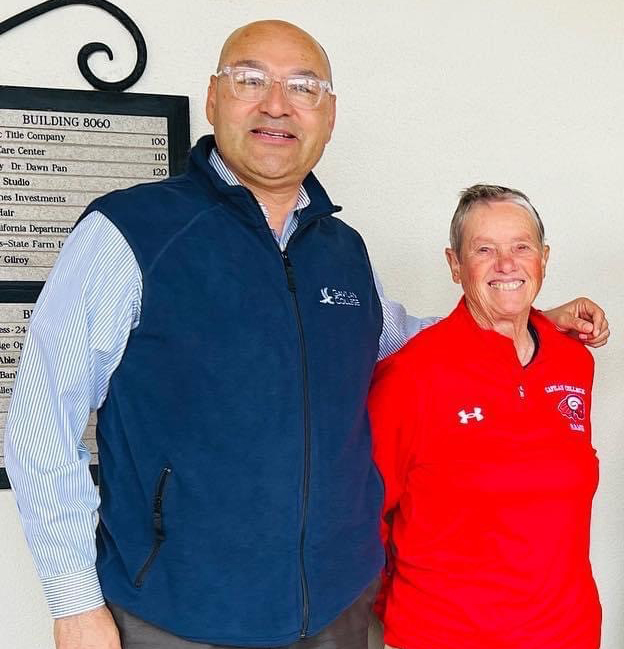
{"points": [[273, 134]]}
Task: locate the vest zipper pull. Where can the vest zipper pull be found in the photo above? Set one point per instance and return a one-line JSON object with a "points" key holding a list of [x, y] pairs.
{"points": [[521, 391], [290, 275]]}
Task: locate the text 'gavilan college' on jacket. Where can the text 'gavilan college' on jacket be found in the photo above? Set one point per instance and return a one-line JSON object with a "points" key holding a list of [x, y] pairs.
{"points": [[240, 504], [489, 477]]}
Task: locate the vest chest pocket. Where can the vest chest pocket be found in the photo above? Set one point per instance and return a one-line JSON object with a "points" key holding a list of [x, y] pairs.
{"points": [[157, 520]]}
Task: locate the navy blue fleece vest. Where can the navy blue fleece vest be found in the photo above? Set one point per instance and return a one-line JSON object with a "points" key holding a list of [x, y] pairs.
{"points": [[240, 505]]}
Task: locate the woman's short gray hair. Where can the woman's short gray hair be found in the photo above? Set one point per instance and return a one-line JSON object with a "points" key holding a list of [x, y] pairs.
{"points": [[489, 194]]}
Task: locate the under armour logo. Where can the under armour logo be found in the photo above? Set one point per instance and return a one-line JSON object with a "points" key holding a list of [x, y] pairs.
{"points": [[465, 416], [327, 298]]}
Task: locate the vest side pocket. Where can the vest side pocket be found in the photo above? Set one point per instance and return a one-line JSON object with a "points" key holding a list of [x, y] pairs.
{"points": [[159, 533]]}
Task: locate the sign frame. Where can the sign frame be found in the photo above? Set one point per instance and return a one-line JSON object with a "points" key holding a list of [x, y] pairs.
{"points": [[174, 108]]}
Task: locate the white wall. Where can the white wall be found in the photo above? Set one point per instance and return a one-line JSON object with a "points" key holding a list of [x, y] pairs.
{"points": [[433, 95]]}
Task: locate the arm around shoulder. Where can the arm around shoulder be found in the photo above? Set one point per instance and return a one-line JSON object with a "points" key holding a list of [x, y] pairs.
{"points": [[583, 319]]}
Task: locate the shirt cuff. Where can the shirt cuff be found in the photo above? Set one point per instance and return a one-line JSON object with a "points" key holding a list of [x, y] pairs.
{"points": [[71, 594]]}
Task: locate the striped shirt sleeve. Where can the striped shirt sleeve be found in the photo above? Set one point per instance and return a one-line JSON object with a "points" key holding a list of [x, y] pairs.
{"points": [[398, 326], [76, 337]]}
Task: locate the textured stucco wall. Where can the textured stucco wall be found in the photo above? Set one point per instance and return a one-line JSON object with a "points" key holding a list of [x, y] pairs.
{"points": [[433, 95]]}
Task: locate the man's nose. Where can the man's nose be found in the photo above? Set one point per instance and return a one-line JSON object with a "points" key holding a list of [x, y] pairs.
{"points": [[275, 103]]}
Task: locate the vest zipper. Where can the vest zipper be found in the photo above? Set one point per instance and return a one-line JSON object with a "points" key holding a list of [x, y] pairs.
{"points": [[290, 277], [159, 534]]}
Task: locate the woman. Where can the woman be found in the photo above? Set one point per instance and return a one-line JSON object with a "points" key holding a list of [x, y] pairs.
{"points": [[482, 435]]}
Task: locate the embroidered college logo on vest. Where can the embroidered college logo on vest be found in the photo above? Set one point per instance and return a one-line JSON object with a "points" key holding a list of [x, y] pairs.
{"points": [[464, 416], [326, 297], [338, 297]]}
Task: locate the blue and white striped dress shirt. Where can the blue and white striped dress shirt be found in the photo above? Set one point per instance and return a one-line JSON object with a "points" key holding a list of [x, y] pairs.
{"points": [[75, 341]]}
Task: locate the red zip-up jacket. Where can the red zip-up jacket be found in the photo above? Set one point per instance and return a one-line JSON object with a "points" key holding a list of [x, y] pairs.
{"points": [[489, 474]]}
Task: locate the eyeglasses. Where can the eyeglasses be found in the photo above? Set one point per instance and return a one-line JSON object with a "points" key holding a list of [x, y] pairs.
{"points": [[251, 84]]}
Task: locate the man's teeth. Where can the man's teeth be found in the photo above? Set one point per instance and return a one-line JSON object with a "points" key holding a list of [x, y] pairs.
{"points": [[507, 286], [273, 133]]}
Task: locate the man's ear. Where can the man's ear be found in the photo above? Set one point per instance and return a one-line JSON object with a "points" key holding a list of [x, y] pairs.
{"points": [[332, 115], [211, 99], [454, 265]]}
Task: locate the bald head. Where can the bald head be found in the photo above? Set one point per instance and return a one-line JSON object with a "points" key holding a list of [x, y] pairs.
{"points": [[248, 35]]}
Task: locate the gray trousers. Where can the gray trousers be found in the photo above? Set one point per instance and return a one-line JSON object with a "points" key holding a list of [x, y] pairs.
{"points": [[348, 631]]}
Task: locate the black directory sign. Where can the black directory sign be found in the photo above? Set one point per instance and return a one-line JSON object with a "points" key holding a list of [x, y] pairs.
{"points": [[59, 150]]}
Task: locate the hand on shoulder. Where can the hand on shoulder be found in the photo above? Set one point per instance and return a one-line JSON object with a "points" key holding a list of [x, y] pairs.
{"points": [[583, 319]]}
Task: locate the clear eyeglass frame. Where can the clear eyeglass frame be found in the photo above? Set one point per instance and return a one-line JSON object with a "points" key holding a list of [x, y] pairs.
{"points": [[255, 84]]}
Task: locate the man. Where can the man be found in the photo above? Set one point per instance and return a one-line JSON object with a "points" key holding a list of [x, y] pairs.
{"points": [[225, 325]]}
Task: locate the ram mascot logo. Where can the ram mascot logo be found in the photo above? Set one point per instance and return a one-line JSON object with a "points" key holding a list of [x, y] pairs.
{"points": [[572, 406]]}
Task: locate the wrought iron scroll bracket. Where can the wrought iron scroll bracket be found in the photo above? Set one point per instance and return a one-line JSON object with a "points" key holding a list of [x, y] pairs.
{"points": [[90, 48]]}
